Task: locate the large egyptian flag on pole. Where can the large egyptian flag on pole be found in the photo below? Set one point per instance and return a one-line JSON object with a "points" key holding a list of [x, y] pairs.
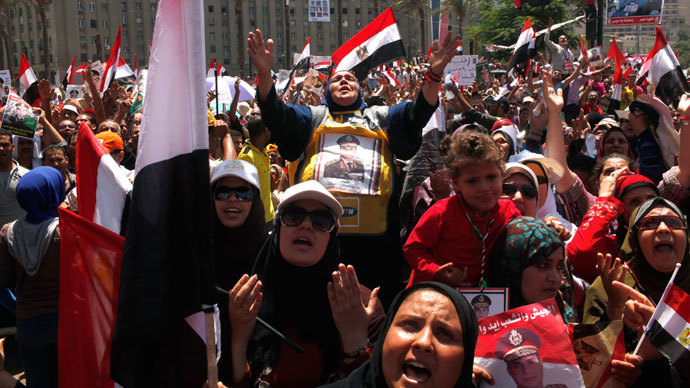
{"points": [[167, 265], [379, 42], [102, 185], [662, 70], [28, 83], [524, 48], [110, 67], [90, 258]]}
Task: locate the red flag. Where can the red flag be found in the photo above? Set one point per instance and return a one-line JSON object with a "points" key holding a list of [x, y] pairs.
{"points": [[90, 263], [211, 69], [615, 53], [135, 64], [71, 71], [113, 60], [583, 50]]}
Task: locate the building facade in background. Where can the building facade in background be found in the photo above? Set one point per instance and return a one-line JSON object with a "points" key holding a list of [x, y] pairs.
{"points": [[87, 29]]}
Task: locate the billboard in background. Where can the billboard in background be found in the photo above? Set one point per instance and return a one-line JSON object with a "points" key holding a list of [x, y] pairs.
{"points": [[319, 11], [626, 12]]}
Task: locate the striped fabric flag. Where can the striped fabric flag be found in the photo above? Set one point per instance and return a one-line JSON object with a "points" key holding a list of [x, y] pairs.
{"points": [[669, 327], [379, 42], [662, 70], [167, 267], [524, 50]]}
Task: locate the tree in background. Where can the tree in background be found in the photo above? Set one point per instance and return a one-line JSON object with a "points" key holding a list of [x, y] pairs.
{"points": [[459, 8], [41, 4], [683, 47]]}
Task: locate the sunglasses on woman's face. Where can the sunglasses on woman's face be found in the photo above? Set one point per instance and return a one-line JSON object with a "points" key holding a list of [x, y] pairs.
{"points": [[653, 222], [243, 194], [321, 220], [527, 191]]}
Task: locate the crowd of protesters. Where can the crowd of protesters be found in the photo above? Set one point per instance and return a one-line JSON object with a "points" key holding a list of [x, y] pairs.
{"points": [[347, 215]]}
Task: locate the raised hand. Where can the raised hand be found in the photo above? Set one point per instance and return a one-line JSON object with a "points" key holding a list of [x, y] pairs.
{"points": [[350, 314], [244, 304], [611, 270], [638, 309], [44, 90], [261, 55], [452, 276], [554, 100], [442, 53], [607, 185]]}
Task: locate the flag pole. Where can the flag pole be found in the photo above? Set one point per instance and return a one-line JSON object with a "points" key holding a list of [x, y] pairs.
{"points": [[210, 324], [215, 72], [656, 311]]}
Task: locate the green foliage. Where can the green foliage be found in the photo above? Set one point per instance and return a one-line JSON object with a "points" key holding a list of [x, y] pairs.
{"points": [[501, 23], [683, 47]]}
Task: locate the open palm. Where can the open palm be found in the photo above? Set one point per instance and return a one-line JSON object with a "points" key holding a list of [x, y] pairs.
{"points": [[259, 53]]}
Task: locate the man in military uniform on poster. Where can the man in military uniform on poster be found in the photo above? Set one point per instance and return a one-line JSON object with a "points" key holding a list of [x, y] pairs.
{"points": [[480, 305], [348, 166], [519, 348]]}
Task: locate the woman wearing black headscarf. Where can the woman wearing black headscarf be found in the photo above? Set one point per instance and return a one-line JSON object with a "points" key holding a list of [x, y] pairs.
{"points": [[291, 291], [429, 337]]}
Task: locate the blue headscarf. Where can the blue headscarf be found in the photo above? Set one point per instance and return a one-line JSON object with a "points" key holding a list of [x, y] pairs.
{"points": [[359, 103], [40, 192]]}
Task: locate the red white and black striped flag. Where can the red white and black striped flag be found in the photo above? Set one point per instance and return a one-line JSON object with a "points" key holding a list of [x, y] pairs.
{"points": [[669, 327], [662, 70], [524, 49], [379, 42], [167, 267]]}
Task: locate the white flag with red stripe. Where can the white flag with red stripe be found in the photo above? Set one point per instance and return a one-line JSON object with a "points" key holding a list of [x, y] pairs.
{"points": [[662, 70], [112, 64], [102, 186]]}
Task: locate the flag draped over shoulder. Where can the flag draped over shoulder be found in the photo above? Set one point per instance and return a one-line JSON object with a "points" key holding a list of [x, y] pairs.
{"points": [[90, 258], [167, 269], [379, 42], [102, 185], [662, 70]]}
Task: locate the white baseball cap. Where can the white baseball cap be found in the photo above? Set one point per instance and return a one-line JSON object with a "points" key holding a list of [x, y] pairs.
{"points": [[310, 189], [238, 168]]}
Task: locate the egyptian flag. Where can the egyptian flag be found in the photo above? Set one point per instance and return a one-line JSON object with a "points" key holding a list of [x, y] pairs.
{"points": [[123, 70], [617, 88], [662, 70], [80, 69], [391, 78], [533, 3], [379, 42], [69, 74], [583, 50], [322, 66], [669, 327], [221, 70], [110, 67], [596, 346], [524, 49], [167, 267], [102, 185], [28, 83], [135, 65], [90, 258], [301, 68], [211, 69]]}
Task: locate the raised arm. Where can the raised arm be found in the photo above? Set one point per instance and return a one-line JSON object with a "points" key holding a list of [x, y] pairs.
{"points": [[262, 57], [684, 157], [555, 145], [440, 55]]}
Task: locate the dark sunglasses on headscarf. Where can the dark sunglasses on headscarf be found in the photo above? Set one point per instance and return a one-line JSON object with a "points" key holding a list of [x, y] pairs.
{"points": [[653, 222], [321, 220], [223, 193], [527, 191]]}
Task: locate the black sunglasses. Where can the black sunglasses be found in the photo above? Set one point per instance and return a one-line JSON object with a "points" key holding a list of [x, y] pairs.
{"points": [[652, 222], [243, 194], [527, 191], [321, 220]]}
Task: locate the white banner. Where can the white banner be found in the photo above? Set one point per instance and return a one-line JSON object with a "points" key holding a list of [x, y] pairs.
{"points": [[465, 66], [319, 11]]}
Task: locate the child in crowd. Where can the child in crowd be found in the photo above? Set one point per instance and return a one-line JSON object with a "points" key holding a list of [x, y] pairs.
{"points": [[452, 240]]}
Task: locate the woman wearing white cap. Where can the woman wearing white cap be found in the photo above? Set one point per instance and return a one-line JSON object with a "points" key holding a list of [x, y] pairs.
{"points": [[239, 231], [300, 289]]}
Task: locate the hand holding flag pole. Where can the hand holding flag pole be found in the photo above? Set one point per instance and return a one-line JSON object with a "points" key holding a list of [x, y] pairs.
{"points": [[657, 312]]}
